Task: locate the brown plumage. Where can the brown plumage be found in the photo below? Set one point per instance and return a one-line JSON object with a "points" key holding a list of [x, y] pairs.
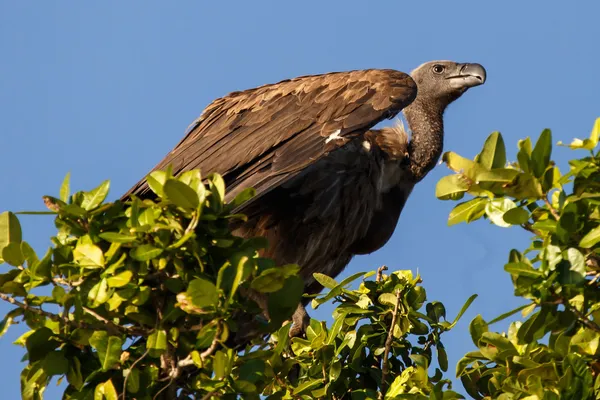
{"points": [[328, 187]]}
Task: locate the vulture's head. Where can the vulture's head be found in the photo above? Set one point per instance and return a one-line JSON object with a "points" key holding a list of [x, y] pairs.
{"points": [[445, 81]]}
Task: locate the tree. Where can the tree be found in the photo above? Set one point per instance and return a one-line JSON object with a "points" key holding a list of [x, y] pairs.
{"points": [[553, 353], [140, 299], [145, 295]]}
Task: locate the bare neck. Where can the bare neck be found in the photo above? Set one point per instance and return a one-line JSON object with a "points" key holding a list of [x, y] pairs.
{"points": [[425, 120]]}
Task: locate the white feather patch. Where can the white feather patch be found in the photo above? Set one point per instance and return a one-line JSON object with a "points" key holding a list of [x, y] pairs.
{"points": [[334, 136]]}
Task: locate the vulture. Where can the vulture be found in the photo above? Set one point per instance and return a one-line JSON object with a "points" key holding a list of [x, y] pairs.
{"points": [[328, 185]]}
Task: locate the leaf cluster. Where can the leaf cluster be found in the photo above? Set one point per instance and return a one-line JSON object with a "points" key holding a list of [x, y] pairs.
{"points": [[145, 299], [553, 352]]}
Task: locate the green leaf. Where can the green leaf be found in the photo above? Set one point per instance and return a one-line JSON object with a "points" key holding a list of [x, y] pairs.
{"points": [[451, 187], [282, 303], [8, 320], [467, 211], [106, 391], [585, 341], [522, 269], [13, 255], [273, 279], [219, 184], [307, 386], [157, 342], [120, 279], [496, 209], [133, 380], [476, 328], [387, 299], [588, 144], [591, 238], [145, 252], [98, 294], [74, 375], [524, 155], [540, 156], [242, 197], [109, 349], [95, 197], [325, 280], [511, 312], [442, 357], [516, 216], [493, 154], [199, 295], [462, 165], [220, 364], [464, 308], [88, 255], [577, 261], [10, 230], [39, 343], [156, 181], [55, 363], [181, 194], [116, 237], [65, 190]]}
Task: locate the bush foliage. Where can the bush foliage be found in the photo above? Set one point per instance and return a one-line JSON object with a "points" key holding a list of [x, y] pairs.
{"points": [[553, 352], [145, 295], [140, 299]]}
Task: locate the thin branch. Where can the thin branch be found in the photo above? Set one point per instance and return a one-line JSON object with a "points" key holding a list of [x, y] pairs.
{"points": [[109, 325], [206, 353], [53, 317], [388, 346], [130, 369], [163, 389], [551, 209], [380, 273], [208, 395], [580, 316], [583, 318]]}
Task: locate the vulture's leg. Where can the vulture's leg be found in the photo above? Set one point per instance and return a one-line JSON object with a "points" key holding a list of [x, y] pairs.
{"points": [[300, 320]]}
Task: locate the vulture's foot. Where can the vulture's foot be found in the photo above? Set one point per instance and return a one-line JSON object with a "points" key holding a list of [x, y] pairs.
{"points": [[300, 321]]}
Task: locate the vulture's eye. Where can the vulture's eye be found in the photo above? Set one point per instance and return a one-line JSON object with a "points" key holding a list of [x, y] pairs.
{"points": [[438, 69]]}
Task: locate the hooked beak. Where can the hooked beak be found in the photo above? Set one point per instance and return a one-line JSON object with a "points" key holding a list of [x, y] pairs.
{"points": [[468, 75]]}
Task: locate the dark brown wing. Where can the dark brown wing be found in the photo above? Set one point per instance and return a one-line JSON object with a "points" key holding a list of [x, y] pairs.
{"points": [[262, 137]]}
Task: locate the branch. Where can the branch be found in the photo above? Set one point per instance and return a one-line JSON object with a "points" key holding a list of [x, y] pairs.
{"points": [[53, 317], [580, 316], [109, 325], [388, 345], [206, 353], [380, 273], [130, 369], [551, 209]]}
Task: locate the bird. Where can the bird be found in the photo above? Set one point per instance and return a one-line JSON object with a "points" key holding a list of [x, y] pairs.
{"points": [[328, 185]]}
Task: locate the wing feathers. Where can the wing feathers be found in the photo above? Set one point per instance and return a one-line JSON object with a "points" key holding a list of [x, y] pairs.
{"points": [[262, 137]]}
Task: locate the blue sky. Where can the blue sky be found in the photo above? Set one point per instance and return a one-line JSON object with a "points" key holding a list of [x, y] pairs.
{"points": [[106, 89]]}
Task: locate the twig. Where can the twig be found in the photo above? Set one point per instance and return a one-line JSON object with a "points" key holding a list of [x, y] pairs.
{"points": [[208, 395], [164, 388], [380, 273], [551, 209], [114, 327], [53, 317], [206, 353], [130, 369], [388, 345], [528, 227], [580, 316], [584, 320]]}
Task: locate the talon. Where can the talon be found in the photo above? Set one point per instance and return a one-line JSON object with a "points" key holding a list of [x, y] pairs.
{"points": [[300, 320]]}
